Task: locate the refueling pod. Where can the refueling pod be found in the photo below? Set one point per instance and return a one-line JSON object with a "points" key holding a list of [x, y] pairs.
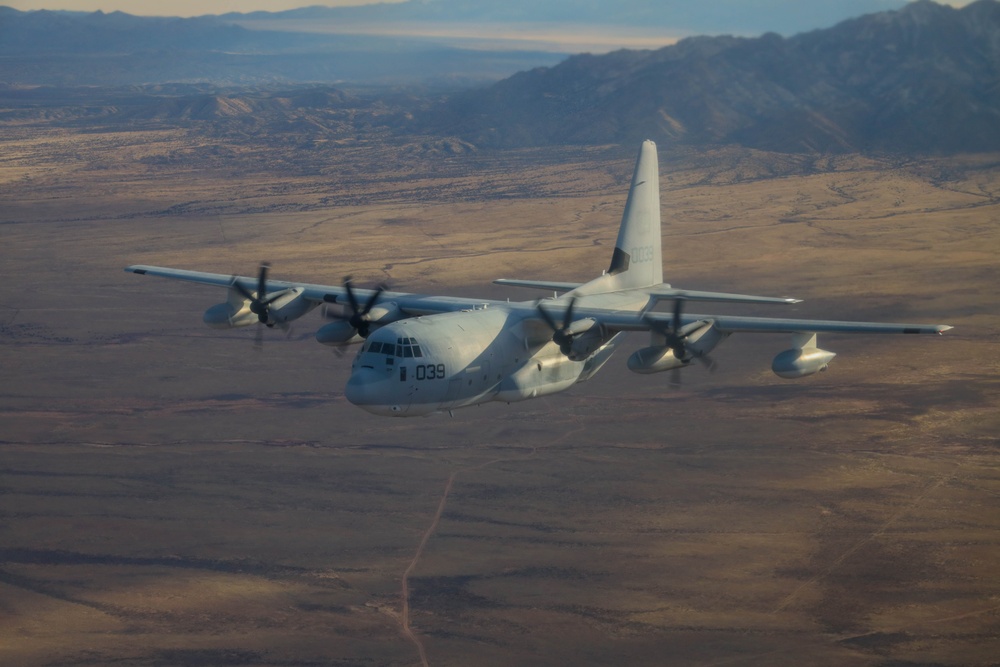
{"points": [[803, 359]]}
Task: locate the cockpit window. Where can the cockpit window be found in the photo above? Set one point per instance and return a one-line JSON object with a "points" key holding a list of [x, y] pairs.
{"points": [[404, 347], [407, 347]]}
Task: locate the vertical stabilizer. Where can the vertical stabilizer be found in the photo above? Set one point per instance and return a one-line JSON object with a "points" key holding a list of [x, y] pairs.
{"points": [[638, 256]]}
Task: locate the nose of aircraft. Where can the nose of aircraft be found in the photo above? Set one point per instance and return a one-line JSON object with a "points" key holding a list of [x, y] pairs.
{"points": [[367, 389], [361, 387]]}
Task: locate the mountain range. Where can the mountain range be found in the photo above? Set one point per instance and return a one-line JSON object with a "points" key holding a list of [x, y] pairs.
{"points": [[924, 78], [921, 79], [113, 49]]}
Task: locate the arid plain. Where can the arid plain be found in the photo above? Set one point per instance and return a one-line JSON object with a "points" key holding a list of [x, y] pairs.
{"points": [[172, 496]]}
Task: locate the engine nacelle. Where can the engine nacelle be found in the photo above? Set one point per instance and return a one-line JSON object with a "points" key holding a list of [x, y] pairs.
{"points": [[654, 359], [800, 362], [290, 306], [342, 332], [235, 312], [338, 333], [586, 343], [704, 339]]}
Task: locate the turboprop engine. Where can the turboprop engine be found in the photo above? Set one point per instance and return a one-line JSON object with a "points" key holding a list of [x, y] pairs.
{"points": [[803, 359], [343, 331], [679, 348], [586, 343], [281, 308], [674, 346], [577, 339], [358, 320], [654, 359], [244, 307], [235, 312]]}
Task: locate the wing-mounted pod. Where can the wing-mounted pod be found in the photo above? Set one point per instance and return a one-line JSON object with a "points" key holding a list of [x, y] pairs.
{"points": [[803, 359]]}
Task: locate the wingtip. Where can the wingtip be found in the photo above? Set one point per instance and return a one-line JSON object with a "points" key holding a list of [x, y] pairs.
{"points": [[943, 328]]}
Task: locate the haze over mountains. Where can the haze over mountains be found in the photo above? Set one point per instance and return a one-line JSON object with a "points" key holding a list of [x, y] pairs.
{"points": [[71, 48], [677, 17], [924, 78]]}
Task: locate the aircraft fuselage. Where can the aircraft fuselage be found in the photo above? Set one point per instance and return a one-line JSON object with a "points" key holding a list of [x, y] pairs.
{"points": [[451, 360]]}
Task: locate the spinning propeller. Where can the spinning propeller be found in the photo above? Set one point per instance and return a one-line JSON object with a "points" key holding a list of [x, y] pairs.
{"points": [[676, 336], [359, 315], [562, 334], [260, 302]]}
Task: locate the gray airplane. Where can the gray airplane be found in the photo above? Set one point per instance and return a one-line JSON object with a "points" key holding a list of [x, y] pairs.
{"points": [[422, 354]]}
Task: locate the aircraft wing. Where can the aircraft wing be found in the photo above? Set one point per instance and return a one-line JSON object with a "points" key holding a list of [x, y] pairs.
{"points": [[628, 320], [657, 293], [739, 324], [412, 304], [614, 320]]}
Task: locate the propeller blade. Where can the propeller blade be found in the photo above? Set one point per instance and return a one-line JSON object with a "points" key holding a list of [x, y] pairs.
{"points": [[675, 337], [568, 317], [262, 281], [258, 341], [350, 295], [259, 302], [358, 316], [548, 318], [373, 299], [561, 334], [247, 294]]}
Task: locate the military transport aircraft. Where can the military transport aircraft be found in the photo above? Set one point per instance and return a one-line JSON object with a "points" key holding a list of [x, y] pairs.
{"points": [[422, 354]]}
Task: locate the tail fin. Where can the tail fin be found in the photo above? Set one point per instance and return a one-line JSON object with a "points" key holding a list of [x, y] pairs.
{"points": [[638, 255]]}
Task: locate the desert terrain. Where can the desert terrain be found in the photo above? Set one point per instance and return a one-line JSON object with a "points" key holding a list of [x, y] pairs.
{"points": [[169, 495]]}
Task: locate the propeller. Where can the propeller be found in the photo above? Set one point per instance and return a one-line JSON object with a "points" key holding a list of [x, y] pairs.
{"points": [[260, 302], [562, 334], [676, 339], [358, 316]]}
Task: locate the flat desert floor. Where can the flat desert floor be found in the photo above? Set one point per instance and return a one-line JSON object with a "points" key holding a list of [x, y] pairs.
{"points": [[173, 496]]}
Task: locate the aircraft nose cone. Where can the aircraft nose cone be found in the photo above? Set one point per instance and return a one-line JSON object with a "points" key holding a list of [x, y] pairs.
{"points": [[361, 387], [371, 391]]}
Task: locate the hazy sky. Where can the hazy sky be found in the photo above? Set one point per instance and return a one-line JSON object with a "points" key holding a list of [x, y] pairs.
{"points": [[202, 7], [179, 7]]}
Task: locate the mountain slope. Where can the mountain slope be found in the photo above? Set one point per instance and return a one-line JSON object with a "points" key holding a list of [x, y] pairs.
{"points": [[924, 78]]}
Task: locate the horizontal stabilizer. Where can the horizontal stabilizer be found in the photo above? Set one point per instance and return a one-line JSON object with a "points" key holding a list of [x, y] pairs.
{"points": [[538, 284], [664, 293]]}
